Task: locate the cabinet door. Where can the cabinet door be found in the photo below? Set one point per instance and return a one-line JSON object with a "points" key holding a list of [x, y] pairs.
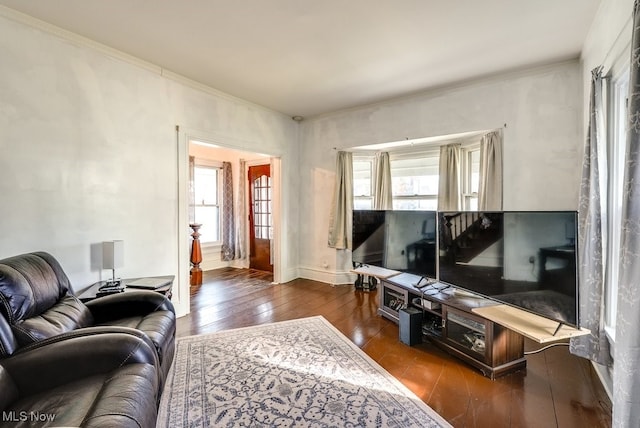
{"points": [[468, 333]]}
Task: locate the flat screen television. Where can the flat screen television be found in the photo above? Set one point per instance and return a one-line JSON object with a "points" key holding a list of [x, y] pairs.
{"points": [[411, 242], [524, 259], [368, 237], [403, 241]]}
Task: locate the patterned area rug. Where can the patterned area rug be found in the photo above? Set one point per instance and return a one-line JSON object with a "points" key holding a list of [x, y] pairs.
{"points": [[299, 373]]}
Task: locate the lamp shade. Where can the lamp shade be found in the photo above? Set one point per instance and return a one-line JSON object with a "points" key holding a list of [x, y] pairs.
{"points": [[112, 254]]}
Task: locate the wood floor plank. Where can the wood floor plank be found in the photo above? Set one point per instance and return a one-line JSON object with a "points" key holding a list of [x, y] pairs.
{"points": [[556, 390]]}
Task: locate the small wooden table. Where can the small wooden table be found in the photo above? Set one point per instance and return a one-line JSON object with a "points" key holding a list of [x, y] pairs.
{"points": [[165, 288]]}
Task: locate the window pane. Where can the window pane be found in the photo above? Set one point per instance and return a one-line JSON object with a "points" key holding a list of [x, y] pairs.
{"points": [[423, 165], [361, 178], [205, 185], [472, 203], [414, 177], [415, 204], [362, 204], [209, 218], [415, 185], [362, 187], [615, 198], [474, 157]]}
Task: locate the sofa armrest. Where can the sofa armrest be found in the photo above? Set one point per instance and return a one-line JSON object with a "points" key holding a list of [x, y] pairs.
{"points": [[131, 303], [61, 360]]}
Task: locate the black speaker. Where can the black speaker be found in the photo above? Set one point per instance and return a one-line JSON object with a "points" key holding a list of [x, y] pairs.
{"points": [[410, 326]]}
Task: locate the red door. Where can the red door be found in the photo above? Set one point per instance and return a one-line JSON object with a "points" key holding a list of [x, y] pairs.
{"points": [[260, 219]]}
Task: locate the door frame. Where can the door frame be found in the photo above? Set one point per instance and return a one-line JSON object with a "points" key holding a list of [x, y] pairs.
{"points": [[182, 298]]}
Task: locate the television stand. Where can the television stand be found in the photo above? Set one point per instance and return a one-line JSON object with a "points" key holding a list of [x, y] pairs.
{"points": [[535, 327], [449, 322]]}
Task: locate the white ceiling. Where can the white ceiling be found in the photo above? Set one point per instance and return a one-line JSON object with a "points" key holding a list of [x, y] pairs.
{"points": [[308, 57]]}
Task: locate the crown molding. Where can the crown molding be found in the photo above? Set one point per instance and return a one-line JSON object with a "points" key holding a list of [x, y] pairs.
{"points": [[85, 42]]}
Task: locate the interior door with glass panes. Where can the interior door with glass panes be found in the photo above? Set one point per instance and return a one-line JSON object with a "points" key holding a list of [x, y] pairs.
{"points": [[260, 218]]}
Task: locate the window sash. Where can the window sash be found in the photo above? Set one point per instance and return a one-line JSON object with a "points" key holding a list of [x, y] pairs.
{"points": [[207, 204], [414, 180], [470, 176]]}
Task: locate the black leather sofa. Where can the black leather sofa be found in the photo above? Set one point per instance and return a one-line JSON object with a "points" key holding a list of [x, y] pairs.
{"points": [[102, 363]]}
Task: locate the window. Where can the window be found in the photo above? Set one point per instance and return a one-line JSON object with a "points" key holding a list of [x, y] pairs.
{"points": [[415, 178], [414, 181], [615, 175], [207, 190], [470, 176], [362, 183]]}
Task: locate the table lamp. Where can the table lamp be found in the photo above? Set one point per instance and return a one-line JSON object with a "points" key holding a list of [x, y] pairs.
{"points": [[112, 258]]}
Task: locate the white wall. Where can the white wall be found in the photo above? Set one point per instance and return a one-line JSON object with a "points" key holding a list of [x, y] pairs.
{"points": [[542, 108], [607, 43], [88, 152]]}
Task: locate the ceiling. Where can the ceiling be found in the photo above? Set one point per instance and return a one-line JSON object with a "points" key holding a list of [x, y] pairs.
{"points": [[308, 57]]}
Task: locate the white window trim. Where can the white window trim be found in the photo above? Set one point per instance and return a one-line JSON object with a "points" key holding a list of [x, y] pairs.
{"points": [[617, 88]]}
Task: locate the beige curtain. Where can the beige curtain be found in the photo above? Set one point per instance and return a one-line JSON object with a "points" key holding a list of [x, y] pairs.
{"points": [[490, 185], [241, 218], [449, 178], [342, 206], [382, 194]]}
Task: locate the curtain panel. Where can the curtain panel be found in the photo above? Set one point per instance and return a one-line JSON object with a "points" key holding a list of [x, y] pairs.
{"points": [[342, 206], [626, 376], [590, 245], [228, 227], [240, 247], [449, 195], [490, 183], [382, 193]]}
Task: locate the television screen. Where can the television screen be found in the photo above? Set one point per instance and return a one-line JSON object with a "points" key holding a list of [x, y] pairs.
{"points": [[524, 259], [410, 242], [368, 237]]}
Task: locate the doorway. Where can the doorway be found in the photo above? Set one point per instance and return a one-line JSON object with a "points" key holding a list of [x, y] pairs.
{"points": [[185, 140], [206, 152], [260, 218]]}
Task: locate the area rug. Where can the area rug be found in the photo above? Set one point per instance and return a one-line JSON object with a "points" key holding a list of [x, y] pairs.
{"points": [[299, 373]]}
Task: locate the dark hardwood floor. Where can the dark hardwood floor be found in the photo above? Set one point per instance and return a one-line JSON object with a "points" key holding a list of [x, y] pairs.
{"points": [[557, 389]]}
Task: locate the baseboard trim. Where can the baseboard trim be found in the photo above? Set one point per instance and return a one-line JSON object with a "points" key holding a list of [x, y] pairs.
{"points": [[321, 275], [213, 264], [289, 275], [605, 378]]}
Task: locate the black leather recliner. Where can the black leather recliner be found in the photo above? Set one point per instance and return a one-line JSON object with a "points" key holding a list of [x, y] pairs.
{"points": [[37, 302], [83, 378]]}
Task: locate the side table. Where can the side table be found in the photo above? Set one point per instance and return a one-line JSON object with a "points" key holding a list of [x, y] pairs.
{"points": [[165, 289]]}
